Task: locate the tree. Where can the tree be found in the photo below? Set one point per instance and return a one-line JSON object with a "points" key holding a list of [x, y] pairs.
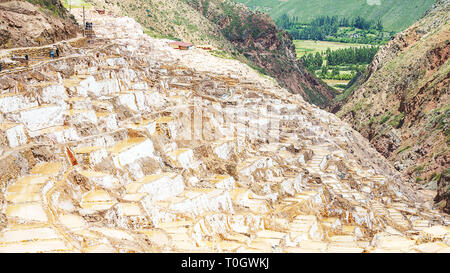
{"points": [[379, 26], [335, 71], [284, 21], [324, 71], [318, 61]]}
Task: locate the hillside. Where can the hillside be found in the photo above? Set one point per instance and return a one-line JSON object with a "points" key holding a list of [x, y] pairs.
{"points": [[396, 15], [132, 146], [234, 31], [402, 105], [34, 23]]}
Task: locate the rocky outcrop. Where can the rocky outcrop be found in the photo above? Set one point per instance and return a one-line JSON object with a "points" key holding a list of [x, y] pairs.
{"points": [[401, 103], [443, 194], [23, 24]]}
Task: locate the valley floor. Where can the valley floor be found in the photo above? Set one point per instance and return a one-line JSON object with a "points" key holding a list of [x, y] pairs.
{"points": [[308, 46]]}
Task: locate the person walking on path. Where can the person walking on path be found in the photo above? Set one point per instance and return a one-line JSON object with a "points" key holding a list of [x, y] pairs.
{"points": [[26, 59], [52, 54], [57, 52]]}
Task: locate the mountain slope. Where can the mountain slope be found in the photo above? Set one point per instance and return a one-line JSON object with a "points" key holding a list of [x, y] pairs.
{"points": [[34, 23], [135, 147], [401, 103], [395, 15], [249, 37]]}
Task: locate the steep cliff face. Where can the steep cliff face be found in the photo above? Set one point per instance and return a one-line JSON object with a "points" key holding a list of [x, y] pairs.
{"points": [[401, 103], [34, 23], [241, 34]]}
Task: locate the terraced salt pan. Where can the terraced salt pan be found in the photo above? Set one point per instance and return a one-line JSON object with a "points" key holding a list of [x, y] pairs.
{"points": [[433, 248], [91, 154], [114, 233], [201, 201], [130, 209], [134, 197], [57, 134], [72, 221], [27, 212], [183, 158], [81, 117], [36, 247], [21, 235], [107, 121], [22, 197], [39, 117], [224, 148], [26, 190], [97, 200], [102, 248], [146, 125], [53, 94], [15, 102], [102, 179], [158, 186], [130, 150], [223, 181], [14, 133], [47, 168]]}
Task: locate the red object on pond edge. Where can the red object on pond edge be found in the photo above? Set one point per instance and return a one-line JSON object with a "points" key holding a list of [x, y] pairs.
{"points": [[71, 157]]}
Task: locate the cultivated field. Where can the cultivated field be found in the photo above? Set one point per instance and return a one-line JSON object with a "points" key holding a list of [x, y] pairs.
{"points": [[337, 84], [75, 4], [303, 47]]}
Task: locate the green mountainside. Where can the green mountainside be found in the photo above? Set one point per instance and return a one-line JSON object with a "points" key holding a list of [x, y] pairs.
{"points": [[396, 15]]}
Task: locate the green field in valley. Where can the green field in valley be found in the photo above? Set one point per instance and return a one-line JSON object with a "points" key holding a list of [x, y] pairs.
{"points": [[75, 4], [303, 47], [337, 75]]}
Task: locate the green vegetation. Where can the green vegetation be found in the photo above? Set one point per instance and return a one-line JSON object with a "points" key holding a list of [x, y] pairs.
{"points": [[403, 149], [439, 119], [395, 15], [385, 118], [304, 47], [397, 120], [258, 69], [314, 97], [341, 86], [341, 64], [342, 24], [51, 6], [155, 34], [361, 55], [75, 4], [220, 54], [325, 28], [347, 92], [435, 177], [419, 169]]}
